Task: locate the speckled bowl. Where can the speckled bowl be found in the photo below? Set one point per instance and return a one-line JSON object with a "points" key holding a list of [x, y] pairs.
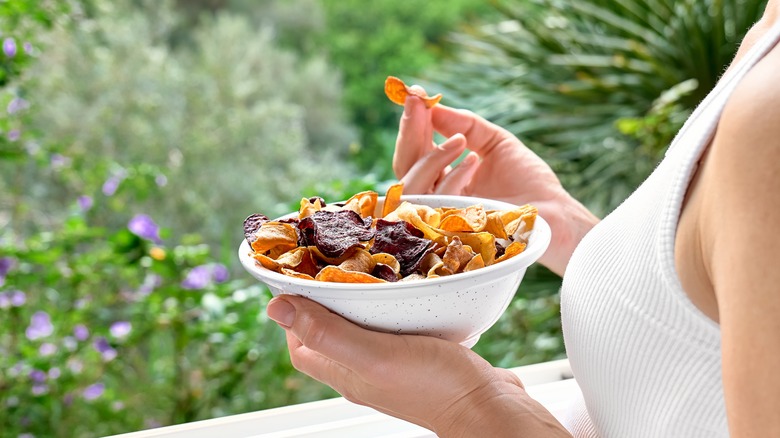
{"points": [[458, 308]]}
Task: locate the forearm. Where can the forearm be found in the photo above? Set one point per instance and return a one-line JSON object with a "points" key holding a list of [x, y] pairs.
{"points": [[569, 221], [507, 411]]}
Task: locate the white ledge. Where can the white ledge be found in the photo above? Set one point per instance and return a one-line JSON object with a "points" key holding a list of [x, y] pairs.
{"points": [[550, 383]]}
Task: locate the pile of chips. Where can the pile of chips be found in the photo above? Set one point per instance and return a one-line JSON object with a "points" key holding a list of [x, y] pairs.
{"points": [[346, 243]]}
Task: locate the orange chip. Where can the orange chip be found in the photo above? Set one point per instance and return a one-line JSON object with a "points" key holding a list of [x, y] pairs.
{"points": [[298, 260], [495, 225], [363, 203], [392, 198], [308, 208], [277, 236], [476, 262], [335, 274], [396, 91], [296, 274], [512, 218], [512, 250], [470, 219]]}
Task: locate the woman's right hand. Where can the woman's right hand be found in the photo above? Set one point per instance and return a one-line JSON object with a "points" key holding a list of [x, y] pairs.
{"points": [[499, 166]]}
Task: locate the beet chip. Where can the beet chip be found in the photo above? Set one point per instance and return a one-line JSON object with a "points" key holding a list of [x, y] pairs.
{"points": [[335, 232], [402, 240], [252, 224]]}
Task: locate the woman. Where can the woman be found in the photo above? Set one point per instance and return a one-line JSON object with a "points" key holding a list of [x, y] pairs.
{"points": [[669, 305]]}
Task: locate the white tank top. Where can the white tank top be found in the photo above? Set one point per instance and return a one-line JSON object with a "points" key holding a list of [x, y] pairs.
{"points": [[646, 359]]}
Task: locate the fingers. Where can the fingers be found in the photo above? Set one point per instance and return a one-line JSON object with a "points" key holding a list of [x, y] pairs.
{"points": [[415, 136], [423, 175], [326, 334], [456, 181], [482, 136]]}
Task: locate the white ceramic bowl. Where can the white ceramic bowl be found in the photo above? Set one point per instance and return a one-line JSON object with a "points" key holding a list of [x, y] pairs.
{"points": [[458, 308]]}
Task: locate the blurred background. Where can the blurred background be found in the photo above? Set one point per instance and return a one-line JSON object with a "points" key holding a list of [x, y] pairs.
{"points": [[136, 135]]}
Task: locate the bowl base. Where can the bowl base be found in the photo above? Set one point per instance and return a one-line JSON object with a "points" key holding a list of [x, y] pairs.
{"points": [[470, 342]]}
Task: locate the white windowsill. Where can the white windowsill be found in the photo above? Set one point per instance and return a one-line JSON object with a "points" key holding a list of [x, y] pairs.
{"points": [[550, 383]]}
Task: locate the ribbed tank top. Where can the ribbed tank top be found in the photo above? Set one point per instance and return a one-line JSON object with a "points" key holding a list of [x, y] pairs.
{"points": [[646, 359]]}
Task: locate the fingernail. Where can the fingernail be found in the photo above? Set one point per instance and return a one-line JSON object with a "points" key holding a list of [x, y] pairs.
{"points": [[281, 311], [470, 159], [452, 143]]}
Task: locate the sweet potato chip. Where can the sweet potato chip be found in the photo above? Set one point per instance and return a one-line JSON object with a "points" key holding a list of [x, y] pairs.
{"points": [[475, 263], [495, 225], [275, 236], [470, 219], [512, 250], [392, 198], [308, 207], [335, 274], [422, 217], [482, 243], [363, 203], [396, 90]]}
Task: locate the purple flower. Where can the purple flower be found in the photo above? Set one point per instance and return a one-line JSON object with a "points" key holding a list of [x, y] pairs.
{"points": [[39, 389], [94, 391], [47, 349], [28, 48], [18, 298], [6, 263], [40, 326], [144, 227], [37, 376], [201, 276], [9, 47], [111, 185], [58, 161], [161, 180], [17, 104], [54, 373], [151, 281], [220, 273], [85, 202], [81, 332], [104, 348], [120, 329], [14, 135]]}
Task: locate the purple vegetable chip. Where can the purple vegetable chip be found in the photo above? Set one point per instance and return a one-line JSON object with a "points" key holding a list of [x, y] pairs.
{"points": [[252, 224], [335, 232], [384, 272], [402, 240]]}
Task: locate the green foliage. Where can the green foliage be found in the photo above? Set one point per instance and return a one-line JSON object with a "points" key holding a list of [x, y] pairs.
{"points": [[566, 75], [389, 38], [234, 127]]}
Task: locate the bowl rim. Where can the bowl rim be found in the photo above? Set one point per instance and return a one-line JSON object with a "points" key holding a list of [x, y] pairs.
{"points": [[538, 242]]}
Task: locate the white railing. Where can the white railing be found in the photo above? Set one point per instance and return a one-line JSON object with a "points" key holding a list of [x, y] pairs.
{"points": [[550, 383]]}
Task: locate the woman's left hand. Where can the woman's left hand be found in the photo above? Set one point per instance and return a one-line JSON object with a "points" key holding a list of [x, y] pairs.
{"points": [[434, 383]]}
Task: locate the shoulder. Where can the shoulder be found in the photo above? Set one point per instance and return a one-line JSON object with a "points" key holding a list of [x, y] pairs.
{"points": [[743, 181]]}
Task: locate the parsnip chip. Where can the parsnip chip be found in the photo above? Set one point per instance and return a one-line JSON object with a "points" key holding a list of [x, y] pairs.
{"points": [[430, 264], [396, 90], [298, 260], [512, 250], [457, 256], [526, 214], [392, 198], [292, 273], [275, 236], [422, 217], [335, 274], [387, 259], [482, 243], [470, 219], [360, 261]]}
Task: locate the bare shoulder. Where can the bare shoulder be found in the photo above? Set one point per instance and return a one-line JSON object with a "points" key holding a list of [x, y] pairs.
{"points": [[741, 213]]}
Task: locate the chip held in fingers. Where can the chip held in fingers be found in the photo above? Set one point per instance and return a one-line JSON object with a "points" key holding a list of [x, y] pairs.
{"points": [[359, 241], [397, 91]]}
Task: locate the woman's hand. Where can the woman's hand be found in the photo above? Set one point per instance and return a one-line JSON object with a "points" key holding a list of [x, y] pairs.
{"points": [[436, 384], [499, 166]]}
